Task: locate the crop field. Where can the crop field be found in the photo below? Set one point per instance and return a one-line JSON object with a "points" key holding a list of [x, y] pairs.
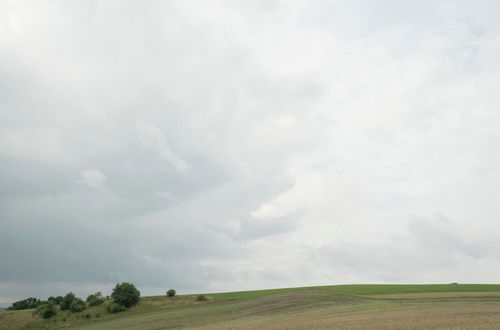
{"points": [[440, 306]]}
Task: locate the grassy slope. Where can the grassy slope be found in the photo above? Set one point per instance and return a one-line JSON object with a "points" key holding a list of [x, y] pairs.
{"points": [[342, 306], [368, 289]]}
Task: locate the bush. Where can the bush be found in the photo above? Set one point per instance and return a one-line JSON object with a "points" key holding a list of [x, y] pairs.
{"points": [[95, 299], [25, 304], [126, 294], [67, 300], [46, 310], [55, 300], [171, 293], [115, 308], [201, 298], [77, 305]]}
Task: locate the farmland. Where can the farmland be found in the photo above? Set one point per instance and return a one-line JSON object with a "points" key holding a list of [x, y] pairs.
{"points": [[451, 306]]}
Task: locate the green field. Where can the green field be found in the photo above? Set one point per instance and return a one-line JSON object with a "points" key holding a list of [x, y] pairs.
{"points": [[449, 306]]}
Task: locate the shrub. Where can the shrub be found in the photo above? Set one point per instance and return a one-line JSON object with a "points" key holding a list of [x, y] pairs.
{"points": [[126, 294], [115, 308], [55, 300], [77, 305], [201, 298], [95, 299], [25, 304], [67, 300], [46, 310], [171, 293]]}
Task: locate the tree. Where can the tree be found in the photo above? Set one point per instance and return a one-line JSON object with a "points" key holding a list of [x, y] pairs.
{"points": [[55, 300], [171, 293], [77, 305], [67, 300], [46, 310], [95, 299], [25, 304], [126, 294]]}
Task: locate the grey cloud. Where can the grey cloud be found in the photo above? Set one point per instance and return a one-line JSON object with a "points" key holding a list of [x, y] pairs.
{"points": [[24, 178], [429, 245], [441, 238], [335, 119], [251, 228]]}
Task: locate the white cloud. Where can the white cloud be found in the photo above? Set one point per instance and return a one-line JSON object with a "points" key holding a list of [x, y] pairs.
{"points": [[91, 178], [153, 137]]}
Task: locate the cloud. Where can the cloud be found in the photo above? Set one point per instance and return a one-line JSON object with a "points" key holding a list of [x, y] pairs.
{"points": [[152, 137], [91, 178], [229, 145], [33, 143]]}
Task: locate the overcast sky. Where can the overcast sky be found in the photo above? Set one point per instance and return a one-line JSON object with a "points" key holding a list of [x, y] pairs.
{"points": [[231, 145]]}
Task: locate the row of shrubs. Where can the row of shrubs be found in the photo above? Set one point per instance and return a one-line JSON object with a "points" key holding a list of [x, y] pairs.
{"points": [[124, 295], [69, 302]]}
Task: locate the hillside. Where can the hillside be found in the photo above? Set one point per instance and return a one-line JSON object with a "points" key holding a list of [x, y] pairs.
{"points": [[343, 307]]}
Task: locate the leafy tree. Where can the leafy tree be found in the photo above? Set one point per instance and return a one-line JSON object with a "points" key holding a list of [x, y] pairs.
{"points": [[115, 308], [126, 294], [46, 310], [25, 304], [171, 293], [77, 305], [95, 299], [55, 300], [67, 300]]}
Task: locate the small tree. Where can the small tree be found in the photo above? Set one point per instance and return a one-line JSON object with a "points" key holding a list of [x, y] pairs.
{"points": [[95, 299], [46, 310], [77, 305], [171, 293], [126, 294], [67, 300], [55, 300]]}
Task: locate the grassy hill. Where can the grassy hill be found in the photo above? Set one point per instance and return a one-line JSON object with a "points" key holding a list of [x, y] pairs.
{"points": [[463, 306]]}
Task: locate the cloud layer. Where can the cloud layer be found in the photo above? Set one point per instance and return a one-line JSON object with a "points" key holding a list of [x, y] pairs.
{"points": [[232, 145]]}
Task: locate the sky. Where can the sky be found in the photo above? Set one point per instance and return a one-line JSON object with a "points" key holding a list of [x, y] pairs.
{"points": [[212, 146]]}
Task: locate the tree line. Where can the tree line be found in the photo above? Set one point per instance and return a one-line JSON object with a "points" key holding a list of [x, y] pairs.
{"points": [[124, 295]]}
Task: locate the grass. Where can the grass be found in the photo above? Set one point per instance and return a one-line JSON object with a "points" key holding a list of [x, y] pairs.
{"points": [[463, 306], [367, 289]]}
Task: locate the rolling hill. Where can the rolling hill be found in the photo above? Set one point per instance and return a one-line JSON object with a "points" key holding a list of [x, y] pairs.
{"points": [[437, 306]]}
